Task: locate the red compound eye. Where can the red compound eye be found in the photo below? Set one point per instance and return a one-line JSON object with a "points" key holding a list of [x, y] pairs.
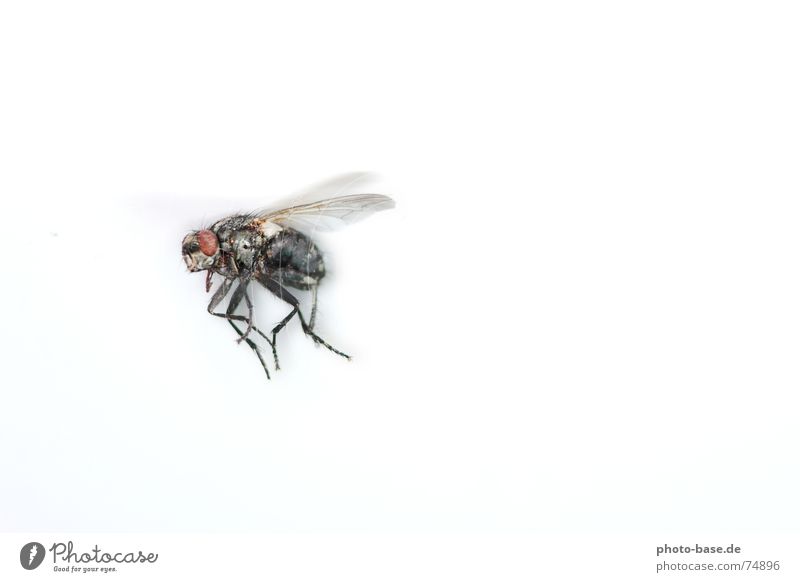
{"points": [[208, 242]]}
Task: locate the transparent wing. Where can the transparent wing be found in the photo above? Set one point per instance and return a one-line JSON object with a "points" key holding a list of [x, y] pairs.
{"points": [[329, 214], [334, 187], [340, 185]]}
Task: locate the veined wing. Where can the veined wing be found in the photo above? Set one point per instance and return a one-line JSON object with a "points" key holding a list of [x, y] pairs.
{"points": [[330, 213], [334, 187]]}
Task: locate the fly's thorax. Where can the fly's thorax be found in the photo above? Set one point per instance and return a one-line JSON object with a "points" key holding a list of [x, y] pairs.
{"points": [[244, 240], [200, 250], [243, 246]]}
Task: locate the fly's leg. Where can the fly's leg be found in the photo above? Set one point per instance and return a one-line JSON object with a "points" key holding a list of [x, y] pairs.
{"points": [[236, 299], [313, 307], [249, 314], [249, 319], [228, 315], [279, 291], [234, 302], [219, 295]]}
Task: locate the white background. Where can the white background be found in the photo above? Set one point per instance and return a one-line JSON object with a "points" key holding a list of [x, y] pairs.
{"points": [[581, 319]]}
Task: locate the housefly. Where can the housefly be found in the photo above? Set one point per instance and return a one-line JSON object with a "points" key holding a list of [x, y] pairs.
{"points": [[270, 248]]}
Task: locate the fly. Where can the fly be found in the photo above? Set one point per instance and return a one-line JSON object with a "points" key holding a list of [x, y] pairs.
{"points": [[265, 247]]}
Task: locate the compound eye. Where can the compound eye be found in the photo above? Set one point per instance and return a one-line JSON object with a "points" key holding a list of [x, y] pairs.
{"points": [[208, 242]]}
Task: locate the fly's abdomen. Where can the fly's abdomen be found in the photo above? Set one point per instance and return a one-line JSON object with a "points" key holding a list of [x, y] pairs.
{"points": [[294, 260]]}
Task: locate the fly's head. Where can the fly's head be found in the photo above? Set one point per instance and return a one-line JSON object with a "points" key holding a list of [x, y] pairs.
{"points": [[200, 250]]}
